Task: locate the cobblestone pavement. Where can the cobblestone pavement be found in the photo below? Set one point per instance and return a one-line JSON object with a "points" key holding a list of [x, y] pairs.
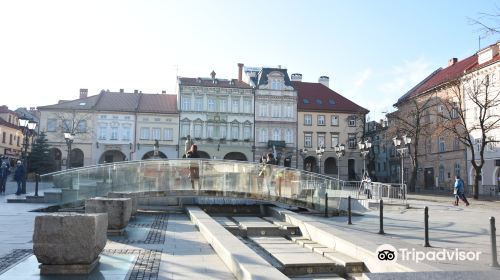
{"points": [[146, 266]]}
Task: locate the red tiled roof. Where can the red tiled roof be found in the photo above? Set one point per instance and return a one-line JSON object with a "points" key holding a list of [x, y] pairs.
{"points": [[207, 82], [318, 97], [158, 103]]}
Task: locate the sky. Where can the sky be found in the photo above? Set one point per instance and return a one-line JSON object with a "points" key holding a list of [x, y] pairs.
{"points": [[373, 51]]}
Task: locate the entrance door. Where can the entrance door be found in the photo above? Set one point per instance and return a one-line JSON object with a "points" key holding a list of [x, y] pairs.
{"points": [[351, 171], [429, 178]]}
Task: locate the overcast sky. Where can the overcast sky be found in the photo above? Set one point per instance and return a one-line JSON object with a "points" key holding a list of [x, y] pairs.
{"points": [[373, 51]]}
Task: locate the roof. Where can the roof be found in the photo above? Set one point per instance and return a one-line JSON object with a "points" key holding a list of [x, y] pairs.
{"points": [[77, 104], [117, 101], [263, 79], [442, 76], [8, 124], [158, 103], [4, 109], [318, 97], [208, 82]]}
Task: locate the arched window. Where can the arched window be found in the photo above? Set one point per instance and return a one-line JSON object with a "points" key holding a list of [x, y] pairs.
{"points": [[276, 134], [457, 169], [441, 173], [289, 136], [263, 135]]}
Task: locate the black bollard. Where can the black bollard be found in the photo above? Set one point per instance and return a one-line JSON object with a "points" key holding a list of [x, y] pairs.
{"points": [[349, 213], [493, 231], [326, 204], [381, 207], [426, 224], [37, 179]]}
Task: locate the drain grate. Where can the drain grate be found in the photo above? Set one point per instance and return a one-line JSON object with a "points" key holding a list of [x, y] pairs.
{"points": [[155, 235], [146, 266]]}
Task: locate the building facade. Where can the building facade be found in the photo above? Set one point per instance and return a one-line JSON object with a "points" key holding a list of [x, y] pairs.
{"points": [[382, 153], [218, 115], [11, 136], [327, 119]]}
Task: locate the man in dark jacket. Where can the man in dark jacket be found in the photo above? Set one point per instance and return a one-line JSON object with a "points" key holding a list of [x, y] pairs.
{"points": [[19, 176], [4, 173]]}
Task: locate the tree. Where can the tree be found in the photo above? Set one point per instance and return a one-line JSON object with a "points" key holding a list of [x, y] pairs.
{"points": [[489, 23], [40, 160], [472, 116], [413, 119]]}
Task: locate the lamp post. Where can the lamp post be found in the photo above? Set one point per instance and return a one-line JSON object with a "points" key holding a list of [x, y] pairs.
{"points": [[28, 126], [364, 148], [319, 152], [340, 152], [401, 145], [303, 154], [69, 137]]}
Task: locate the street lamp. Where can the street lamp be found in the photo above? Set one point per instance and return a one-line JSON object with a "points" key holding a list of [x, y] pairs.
{"points": [[69, 137], [401, 145], [28, 127], [364, 148], [319, 152], [340, 152]]}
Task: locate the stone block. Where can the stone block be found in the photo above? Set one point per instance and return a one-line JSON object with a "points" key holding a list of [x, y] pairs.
{"points": [[69, 243], [118, 209], [131, 195]]}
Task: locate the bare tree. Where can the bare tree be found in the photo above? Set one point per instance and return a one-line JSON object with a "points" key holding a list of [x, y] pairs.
{"points": [[489, 23], [413, 119], [471, 116], [75, 123]]}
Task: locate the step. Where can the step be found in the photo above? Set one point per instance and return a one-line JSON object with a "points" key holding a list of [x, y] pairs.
{"points": [[319, 277], [312, 246], [255, 226], [352, 265], [228, 224], [291, 229]]}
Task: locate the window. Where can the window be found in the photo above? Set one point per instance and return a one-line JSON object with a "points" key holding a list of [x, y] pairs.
{"points": [[168, 134], [456, 144], [198, 104], [235, 108], [385, 166], [307, 119], [276, 111], [308, 140], [102, 117], [263, 135], [321, 119], [157, 119], [10, 140], [335, 120], [82, 126], [276, 134], [197, 130], [454, 113], [351, 140], [4, 136], [235, 131], [492, 143], [67, 126], [223, 105], [18, 140], [51, 125], [321, 140], [276, 84], [126, 133], [210, 131], [184, 129], [186, 103], [114, 133], [156, 134], [289, 136], [289, 111], [441, 173], [102, 133], [247, 132], [352, 122], [428, 146], [457, 169], [211, 105], [222, 131], [144, 133], [247, 106], [263, 110], [335, 140], [441, 143]]}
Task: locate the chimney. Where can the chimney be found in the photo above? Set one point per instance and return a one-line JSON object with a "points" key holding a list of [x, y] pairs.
{"points": [[240, 72], [324, 80], [163, 92], [212, 75], [136, 91], [84, 93], [452, 61], [122, 90], [296, 77]]}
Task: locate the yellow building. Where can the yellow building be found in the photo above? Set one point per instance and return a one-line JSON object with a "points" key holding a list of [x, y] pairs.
{"points": [[11, 136]]}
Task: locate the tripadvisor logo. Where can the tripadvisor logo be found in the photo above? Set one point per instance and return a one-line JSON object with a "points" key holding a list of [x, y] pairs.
{"points": [[388, 253]]}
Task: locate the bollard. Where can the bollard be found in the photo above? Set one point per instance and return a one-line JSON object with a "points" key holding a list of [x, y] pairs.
{"points": [[326, 204], [37, 179], [381, 207], [426, 225], [493, 231], [349, 213]]}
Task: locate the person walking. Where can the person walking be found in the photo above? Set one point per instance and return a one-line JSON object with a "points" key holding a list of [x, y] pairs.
{"points": [[4, 173], [459, 191], [19, 177], [194, 170]]}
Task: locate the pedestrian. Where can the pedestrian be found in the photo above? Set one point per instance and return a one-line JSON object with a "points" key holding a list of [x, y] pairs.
{"points": [[194, 170], [19, 177], [271, 159], [459, 191], [4, 173]]}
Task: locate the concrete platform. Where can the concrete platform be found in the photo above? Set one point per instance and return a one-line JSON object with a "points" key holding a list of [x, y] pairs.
{"points": [[255, 226]]}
